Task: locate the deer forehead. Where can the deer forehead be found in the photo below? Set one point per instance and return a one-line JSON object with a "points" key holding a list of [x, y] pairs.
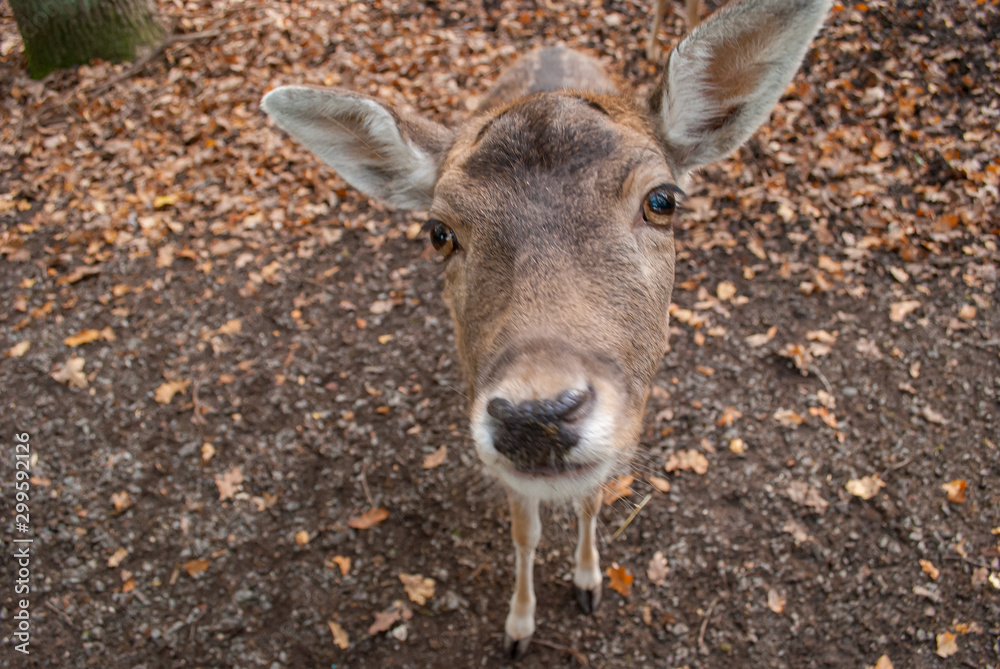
{"points": [[548, 152]]}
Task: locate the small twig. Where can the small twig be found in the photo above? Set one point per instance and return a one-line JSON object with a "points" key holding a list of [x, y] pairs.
{"points": [[704, 626], [364, 484], [580, 657], [477, 571], [194, 624], [62, 614], [898, 465], [631, 517], [322, 287], [815, 370], [196, 417]]}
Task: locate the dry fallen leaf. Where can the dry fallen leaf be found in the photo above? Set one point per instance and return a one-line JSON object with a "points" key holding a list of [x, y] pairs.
{"points": [[230, 327], [437, 458], [865, 487], [798, 354], [344, 563], [207, 451], [617, 489], [729, 414], [339, 635], [955, 490], [195, 567], [798, 531], [884, 663], [121, 500], [932, 416], [758, 340], [967, 312], [19, 349], [688, 460], [725, 290], [418, 588], [898, 311], [775, 601], [82, 337], [368, 519], [117, 557], [801, 492], [71, 373], [165, 393], [788, 418], [657, 571], [928, 568], [660, 483], [302, 537], [946, 646], [825, 415], [386, 619], [229, 482], [619, 579]]}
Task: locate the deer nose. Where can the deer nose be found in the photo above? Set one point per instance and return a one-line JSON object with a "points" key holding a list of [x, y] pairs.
{"points": [[539, 433]]}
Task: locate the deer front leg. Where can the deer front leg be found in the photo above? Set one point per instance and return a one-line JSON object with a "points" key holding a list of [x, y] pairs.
{"points": [[526, 529], [587, 571]]}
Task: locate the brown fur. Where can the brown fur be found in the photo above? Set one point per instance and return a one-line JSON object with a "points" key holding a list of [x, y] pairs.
{"points": [[558, 283]]}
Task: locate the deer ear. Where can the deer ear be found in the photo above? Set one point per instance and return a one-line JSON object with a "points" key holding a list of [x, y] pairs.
{"points": [[721, 83], [387, 154]]}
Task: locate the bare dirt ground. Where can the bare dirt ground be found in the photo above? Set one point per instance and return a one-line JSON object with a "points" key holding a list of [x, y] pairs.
{"points": [[224, 358]]}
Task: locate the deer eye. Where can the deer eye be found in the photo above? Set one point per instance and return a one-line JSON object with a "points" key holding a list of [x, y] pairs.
{"points": [[660, 205], [443, 238]]}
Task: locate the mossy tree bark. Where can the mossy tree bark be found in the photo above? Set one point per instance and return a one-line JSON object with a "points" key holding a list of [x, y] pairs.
{"points": [[64, 33]]}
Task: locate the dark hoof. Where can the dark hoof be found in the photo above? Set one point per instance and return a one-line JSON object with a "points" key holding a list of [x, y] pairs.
{"points": [[589, 599], [515, 649]]}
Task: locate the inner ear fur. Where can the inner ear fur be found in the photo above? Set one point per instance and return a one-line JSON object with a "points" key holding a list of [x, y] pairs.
{"points": [[389, 154], [721, 82]]}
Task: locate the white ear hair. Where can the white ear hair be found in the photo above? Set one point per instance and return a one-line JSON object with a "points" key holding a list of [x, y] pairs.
{"points": [[392, 157], [723, 80]]}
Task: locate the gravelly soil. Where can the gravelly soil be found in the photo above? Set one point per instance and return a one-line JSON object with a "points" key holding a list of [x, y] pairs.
{"points": [[320, 415]]}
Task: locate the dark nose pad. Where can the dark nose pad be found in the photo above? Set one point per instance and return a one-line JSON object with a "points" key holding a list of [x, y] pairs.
{"points": [[539, 433]]}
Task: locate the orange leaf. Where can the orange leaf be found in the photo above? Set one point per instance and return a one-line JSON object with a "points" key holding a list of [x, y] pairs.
{"points": [[437, 458], [368, 519], [661, 484], [620, 579], [343, 562], [955, 490], [617, 489], [688, 460], [229, 482], [193, 567], [946, 645], [82, 337], [165, 393], [339, 635], [418, 588]]}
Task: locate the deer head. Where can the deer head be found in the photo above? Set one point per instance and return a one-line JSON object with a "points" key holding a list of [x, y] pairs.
{"points": [[554, 206]]}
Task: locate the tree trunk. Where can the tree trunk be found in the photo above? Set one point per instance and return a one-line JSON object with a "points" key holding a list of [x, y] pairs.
{"points": [[64, 33]]}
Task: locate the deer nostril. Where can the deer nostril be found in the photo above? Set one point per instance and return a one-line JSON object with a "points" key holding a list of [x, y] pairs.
{"points": [[501, 409], [570, 403], [569, 406]]}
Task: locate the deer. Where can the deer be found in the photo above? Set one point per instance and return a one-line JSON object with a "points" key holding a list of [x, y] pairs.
{"points": [[553, 206]]}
